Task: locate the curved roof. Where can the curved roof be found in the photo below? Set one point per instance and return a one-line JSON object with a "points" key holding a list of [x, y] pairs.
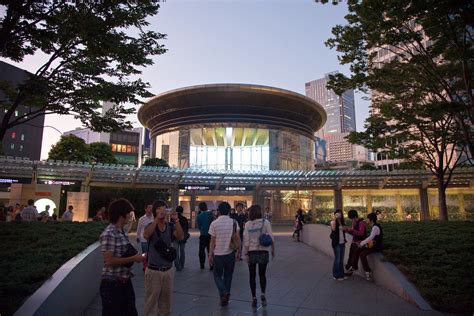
{"points": [[232, 105]]}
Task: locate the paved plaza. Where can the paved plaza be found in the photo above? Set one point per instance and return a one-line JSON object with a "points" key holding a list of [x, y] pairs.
{"points": [[299, 283]]}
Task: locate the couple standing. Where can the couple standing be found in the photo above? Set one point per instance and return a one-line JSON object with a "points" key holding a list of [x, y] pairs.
{"points": [[116, 289], [225, 248]]}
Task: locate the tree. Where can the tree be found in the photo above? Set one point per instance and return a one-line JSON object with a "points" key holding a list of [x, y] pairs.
{"points": [[422, 102], [90, 59], [101, 152], [156, 162], [70, 148]]}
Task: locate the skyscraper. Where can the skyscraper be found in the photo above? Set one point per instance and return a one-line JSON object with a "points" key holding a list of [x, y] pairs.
{"points": [[340, 122], [340, 109]]}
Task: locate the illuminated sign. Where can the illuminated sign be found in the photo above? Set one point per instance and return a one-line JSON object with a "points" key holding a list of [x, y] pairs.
{"points": [[15, 180], [57, 182]]}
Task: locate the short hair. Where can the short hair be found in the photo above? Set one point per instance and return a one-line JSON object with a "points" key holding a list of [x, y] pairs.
{"points": [[352, 214], [255, 212], [224, 208], [300, 211], [239, 204], [159, 203], [373, 217], [72, 207], [119, 208], [179, 209], [203, 206], [31, 202]]}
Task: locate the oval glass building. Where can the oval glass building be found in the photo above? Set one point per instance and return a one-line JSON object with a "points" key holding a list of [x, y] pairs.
{"points": [[233, 127]]}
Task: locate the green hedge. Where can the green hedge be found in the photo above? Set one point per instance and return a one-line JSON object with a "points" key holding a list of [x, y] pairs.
{"points": [[32, 252], [438, 258]]}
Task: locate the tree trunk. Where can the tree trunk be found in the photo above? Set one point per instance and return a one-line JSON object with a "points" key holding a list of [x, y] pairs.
{"points": [[3, 132], [443, 208]]}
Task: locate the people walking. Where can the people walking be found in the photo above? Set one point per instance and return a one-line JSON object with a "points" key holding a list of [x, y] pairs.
{"points": [[204, 220], [373, 243], [223, 250], [159, 274], [338, 241], [299, 222], [358, 233], [143, 222], [116, 289], [180, 244], [255, 253], [241, 218]]}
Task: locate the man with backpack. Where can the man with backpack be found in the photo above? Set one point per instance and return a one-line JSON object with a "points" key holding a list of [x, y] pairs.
{"points": [[159, 275], [358, 232]]}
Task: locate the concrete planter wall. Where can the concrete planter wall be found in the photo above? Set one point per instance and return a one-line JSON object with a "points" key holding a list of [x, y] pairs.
{"points": [[70, 289], [385, 274]]}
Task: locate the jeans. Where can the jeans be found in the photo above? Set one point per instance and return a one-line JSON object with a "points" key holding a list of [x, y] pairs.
{"points": [[363, 253], [180, 256], [338, 266], [223, 270], [204, 242], [118, 298], [350, 260]]}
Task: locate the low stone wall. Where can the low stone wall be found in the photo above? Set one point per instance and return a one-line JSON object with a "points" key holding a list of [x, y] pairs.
{"points": [[385, 274], [70, 289]]}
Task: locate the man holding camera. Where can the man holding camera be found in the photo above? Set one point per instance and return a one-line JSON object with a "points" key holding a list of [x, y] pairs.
{"points": [[159, 275]]}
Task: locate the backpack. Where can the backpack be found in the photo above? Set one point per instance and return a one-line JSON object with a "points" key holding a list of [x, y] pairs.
{"points": [[264, 240]]}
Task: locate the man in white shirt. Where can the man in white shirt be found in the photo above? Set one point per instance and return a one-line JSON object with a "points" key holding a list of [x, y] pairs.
{"points": [[143, 222], [29, 213], [68, 215], [221, 256]]}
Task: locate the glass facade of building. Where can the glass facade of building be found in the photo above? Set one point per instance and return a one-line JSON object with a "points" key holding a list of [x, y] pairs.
{"points": [[236, 148]]}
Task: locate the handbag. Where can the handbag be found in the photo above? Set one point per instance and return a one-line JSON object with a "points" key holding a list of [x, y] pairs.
{"points": [[234, 245], [265, 240], [129, 252], [166, 252]]}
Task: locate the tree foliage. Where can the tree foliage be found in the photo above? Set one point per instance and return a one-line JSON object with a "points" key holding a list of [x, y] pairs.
{"points": [[73, 148], [101, 152], [95, 51], [156, 162], [422, 93], [70, 148]]}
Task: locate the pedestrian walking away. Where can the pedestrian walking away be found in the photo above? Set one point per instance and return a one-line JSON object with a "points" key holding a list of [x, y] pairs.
{"points": [[223, 251], [338, 242], [256, 251], [181, 244], [116, 289], [241, 218], [204, 220], [159, 274]]}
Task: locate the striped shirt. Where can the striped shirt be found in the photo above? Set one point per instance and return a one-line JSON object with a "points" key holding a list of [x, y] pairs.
{"points": [[29, 214], [252, 235], [222, 228], [115, 241]]}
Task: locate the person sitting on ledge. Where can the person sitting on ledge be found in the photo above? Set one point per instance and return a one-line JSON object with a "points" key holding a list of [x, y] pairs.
{"points": [[373, 243]]}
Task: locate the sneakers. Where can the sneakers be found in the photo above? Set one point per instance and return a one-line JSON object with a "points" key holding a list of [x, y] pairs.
{"points": [[264, 300], [225, 299], [254, 302], [350, 269], [340, 279], [368, 276]]}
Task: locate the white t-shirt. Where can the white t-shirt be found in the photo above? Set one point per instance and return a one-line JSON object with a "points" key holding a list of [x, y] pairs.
{"points": [[67, 216], [222, 228], [143, 222]]}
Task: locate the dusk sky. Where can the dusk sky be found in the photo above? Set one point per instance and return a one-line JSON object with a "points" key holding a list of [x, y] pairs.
{"points": [[276, 43]]}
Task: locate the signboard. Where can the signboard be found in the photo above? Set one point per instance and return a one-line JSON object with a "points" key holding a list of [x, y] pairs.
{"points": [[60, 182], [80, 202], [16, 180]]}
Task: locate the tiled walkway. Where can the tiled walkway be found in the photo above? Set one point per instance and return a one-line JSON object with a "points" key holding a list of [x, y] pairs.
{"points": [[299, 283]]}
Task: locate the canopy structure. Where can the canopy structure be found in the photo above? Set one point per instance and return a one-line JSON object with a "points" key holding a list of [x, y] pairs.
{"points": [[18, 169]]}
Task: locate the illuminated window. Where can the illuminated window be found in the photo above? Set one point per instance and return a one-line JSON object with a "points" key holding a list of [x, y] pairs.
{"points": [[21, 147], [129, 148], [22, 137], [12, 146], [114, 147], [13, 135]]}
